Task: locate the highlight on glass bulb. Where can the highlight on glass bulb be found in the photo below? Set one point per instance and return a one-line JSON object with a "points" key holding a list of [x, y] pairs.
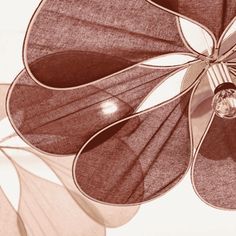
{"points": [[224, 103]]}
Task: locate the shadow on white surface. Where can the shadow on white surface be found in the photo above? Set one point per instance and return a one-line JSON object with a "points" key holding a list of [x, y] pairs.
{"points": [[179, 212]]}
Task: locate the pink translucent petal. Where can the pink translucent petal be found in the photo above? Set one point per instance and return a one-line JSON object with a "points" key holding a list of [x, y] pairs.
{"points": [[10, 221], [108, 215], [48, 209]]}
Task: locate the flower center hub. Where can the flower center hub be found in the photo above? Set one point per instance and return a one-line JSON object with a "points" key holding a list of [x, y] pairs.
{"points": [[224, 101]]}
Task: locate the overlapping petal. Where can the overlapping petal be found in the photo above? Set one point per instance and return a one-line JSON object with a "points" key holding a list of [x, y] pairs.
{"points": [[119, 163], [47, 208], [60, 122], [47, 196], [108, 215], [214, 169], [214, 14], [9, 183], [132, 134], [70, 44], [10, 221], [44, 205], [130, 161], [136, 159]]}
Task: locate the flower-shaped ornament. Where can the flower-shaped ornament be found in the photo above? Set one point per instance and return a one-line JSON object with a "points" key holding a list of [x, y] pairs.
{"points": [[151, 79]]}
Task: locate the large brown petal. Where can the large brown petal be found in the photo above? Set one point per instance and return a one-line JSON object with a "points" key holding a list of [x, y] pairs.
{"points": [[214, 170], [60, 121], [71, 43], [214, 14], [137, 159]]}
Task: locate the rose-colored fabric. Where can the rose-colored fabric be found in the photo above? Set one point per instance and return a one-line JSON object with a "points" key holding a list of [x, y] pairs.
{"points": [[60, 122], [138, 159], [47, 209], [10, 221], [214, 171], [89, 212], [214, 14], [107, 215], [72, 43], [75, 42]]}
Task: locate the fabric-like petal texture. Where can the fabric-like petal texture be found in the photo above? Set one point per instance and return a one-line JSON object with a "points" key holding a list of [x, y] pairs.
{"points": [[214, 14], [48, 209], [44, 165], [137, 159], [107, 215], [78, 42], [214, 170], [10, 221], [60, 122]]}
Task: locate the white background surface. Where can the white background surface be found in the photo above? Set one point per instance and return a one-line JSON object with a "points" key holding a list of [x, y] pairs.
{"points": [[180, 212]]}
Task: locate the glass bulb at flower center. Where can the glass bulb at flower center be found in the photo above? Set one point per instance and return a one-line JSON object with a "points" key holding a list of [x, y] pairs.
{"points": [[224, 103]]}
